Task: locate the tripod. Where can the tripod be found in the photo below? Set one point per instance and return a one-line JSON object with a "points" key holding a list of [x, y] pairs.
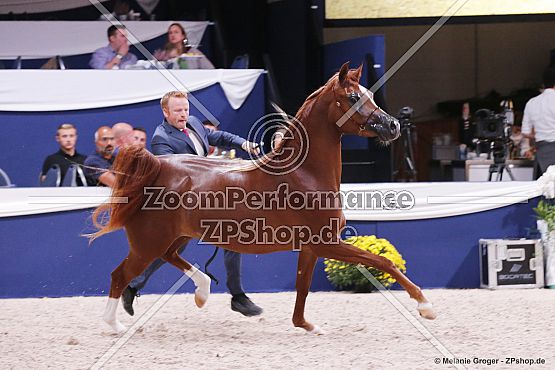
{"points": [[407, 151], [499, 162]]}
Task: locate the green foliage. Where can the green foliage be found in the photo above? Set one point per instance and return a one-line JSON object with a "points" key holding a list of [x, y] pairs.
{"points": [[546, 211], [346, 276]]}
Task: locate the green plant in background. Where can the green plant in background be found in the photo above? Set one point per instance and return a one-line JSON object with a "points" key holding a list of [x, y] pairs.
{"points": [[346, 276], [546, 211]]}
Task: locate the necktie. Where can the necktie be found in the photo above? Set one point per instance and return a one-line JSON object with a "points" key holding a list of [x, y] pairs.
{"points": [[185, 132]]}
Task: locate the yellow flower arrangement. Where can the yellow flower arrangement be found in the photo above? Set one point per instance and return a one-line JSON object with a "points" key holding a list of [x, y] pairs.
{"points": [[346, 276]]}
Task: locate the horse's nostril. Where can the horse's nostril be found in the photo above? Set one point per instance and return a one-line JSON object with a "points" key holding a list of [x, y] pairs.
{"points": [[393, 126]]}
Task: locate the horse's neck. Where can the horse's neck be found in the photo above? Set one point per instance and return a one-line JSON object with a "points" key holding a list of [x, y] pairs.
{"points": [[323, 160]]}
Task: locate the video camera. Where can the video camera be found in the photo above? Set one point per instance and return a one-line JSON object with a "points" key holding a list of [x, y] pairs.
{"points": [[405, 114], [491, 126]]}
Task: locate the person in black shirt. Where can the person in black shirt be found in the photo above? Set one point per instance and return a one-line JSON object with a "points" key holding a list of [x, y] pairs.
{"points": [[66, 136]]}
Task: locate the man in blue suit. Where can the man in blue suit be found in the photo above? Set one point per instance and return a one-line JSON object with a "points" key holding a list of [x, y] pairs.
{"points": [[180, 133]]}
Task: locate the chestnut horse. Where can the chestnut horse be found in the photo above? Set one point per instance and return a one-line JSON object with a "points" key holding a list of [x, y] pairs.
{"points": [[314, 136]]}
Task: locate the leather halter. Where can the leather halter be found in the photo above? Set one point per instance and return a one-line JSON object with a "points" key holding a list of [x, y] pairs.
{"points": [[361, 126]]}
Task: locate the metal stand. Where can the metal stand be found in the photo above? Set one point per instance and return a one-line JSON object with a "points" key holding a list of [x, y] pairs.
{"points": [[499, 168], [499, 163], [408, 151]]}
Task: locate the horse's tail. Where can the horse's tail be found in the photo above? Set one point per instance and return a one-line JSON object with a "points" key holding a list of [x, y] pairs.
{"points": [[134, 168]]}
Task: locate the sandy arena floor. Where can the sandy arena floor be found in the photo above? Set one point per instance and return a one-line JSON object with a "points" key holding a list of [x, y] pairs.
{"points": [[364, 331]]}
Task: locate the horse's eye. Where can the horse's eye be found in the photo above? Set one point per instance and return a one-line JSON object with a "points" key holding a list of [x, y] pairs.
{"points": [[354, 97]]}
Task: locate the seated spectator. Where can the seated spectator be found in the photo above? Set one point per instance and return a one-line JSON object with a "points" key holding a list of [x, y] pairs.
{"points": [[123, 134], [139, 134], [99, 162], [177, 45], [520, 144], [66, 136], [116, 54]]}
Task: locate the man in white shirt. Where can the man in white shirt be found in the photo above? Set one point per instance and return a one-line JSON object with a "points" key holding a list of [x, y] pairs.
{"points": [[539, 121]]}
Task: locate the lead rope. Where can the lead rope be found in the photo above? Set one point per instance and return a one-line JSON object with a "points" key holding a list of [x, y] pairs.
{"points": [[216, 249]]}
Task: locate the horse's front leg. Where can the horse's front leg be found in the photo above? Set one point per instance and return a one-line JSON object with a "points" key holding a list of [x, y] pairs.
{"points": [[351, 254], [305, 269]]}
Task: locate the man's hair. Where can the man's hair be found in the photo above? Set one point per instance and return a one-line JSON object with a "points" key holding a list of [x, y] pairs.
{"points": [[172, 94], [139, 129], [97, 130], [113, 29], [549, 77], [65, 126]]}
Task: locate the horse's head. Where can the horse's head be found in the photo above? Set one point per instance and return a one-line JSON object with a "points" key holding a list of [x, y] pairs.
{"points": [[359, 113]]}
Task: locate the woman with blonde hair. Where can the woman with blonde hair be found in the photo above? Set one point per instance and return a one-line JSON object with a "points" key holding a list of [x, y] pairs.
{"points": [[178, 48]]}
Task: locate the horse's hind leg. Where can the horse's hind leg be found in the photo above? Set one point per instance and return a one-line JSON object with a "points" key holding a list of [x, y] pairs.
{"points": [[201, 280], [146, 245], [131, 267], [351, 254], [305, 268]]}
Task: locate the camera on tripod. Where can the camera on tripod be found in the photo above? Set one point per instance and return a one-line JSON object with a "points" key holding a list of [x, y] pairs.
{"points": [[494, 130], [407, 127], [491, 126], [405, 114]]}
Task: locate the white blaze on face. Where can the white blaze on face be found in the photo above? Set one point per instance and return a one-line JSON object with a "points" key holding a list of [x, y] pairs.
{"points": [[367, 96]]}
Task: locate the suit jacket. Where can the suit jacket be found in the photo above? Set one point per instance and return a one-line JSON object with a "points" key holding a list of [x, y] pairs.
{"points": [[169, 140]]}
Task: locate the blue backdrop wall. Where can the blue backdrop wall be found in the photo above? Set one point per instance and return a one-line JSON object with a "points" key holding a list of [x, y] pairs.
{"points": [[28, 137], [43, 255]]}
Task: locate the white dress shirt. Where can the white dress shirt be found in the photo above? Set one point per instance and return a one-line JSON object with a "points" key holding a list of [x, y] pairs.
{"points": [[196, 141], [539, 114]]}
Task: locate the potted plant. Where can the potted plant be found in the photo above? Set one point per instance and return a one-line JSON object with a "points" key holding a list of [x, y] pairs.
{"points": [[347, 277], [545, 212]]}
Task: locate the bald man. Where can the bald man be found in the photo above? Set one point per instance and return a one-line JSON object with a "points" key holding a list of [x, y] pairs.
{"points": [[98, 164], [123, 134]]}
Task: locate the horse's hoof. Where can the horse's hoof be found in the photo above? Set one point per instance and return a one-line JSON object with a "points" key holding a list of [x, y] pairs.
{"points": [[426, 310], [316, 330], [201, 296], [118, 327], [203, 289]]}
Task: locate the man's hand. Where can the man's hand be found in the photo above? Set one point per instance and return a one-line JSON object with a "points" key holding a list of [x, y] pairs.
{"points": [[252, 148], [529, 154], [114, 62], [123, 49]]}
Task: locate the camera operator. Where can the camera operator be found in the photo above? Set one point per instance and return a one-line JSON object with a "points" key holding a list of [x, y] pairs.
{"points": [[539, 121]]}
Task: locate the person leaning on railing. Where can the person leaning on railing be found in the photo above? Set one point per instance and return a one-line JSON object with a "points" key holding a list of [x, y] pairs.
{"points": [[177, 45], [116, 54]]}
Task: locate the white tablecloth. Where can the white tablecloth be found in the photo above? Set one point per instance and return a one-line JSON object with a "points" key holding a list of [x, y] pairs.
{"points": [[60, 90], [45, 39], [432, 200]]}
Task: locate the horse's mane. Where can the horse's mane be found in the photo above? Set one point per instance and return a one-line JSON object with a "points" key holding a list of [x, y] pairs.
{"points": [[301, 116]]}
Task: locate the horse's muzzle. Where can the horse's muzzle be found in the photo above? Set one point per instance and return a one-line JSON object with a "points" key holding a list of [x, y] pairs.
{"points": [[385, 126]]}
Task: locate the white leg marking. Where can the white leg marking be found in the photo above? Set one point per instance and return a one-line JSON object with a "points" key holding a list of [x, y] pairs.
{"points": [[317, 330], [110, 316], [202, 282], [426, 310]]}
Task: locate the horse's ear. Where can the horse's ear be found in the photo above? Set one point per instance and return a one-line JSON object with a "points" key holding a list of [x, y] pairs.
{"points": [[358, 72], [343, 73]]}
